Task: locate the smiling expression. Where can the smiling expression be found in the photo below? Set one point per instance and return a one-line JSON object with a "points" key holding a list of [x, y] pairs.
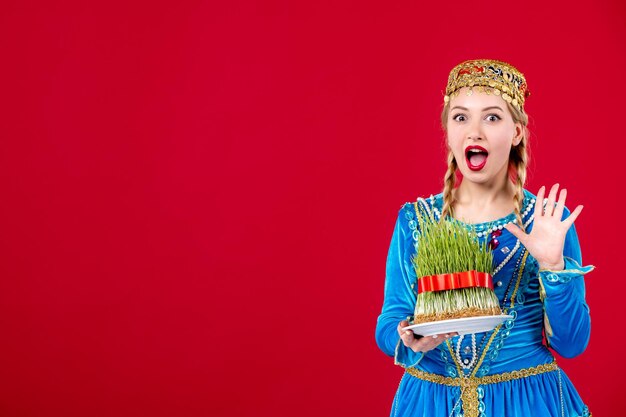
{"points": [[480, 134]]}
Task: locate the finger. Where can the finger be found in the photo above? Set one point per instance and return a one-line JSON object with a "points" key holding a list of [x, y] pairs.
{"points": [[516, 231], [426, 343], [539, 202], [573, 216], [402, 325], [407, 338], [558, 210], [551, 199]]}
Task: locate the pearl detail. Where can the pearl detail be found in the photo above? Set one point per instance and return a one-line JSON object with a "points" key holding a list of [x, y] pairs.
{"points": [[508, 258], [466, 363]]}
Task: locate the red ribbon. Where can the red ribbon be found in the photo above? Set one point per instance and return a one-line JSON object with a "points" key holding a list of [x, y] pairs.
{"points": [[454, 281]]}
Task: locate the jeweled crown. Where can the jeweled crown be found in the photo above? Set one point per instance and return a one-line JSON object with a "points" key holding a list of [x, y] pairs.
{"points": [[489, 76]]}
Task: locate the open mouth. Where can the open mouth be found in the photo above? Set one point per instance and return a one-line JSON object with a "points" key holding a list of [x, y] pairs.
{"points": [[476, 157]]}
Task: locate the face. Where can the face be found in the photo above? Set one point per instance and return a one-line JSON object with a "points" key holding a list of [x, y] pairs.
{"points": [[481, 132]]}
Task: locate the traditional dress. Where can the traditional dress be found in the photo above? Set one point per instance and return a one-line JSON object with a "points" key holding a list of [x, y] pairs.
{"points": [[505, 372]]}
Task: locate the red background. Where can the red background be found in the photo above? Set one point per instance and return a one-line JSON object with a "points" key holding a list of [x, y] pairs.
{"points": [[198, 197]]}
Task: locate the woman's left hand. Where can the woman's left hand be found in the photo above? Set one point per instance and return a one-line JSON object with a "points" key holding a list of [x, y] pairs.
{"points": [[546, 240]]}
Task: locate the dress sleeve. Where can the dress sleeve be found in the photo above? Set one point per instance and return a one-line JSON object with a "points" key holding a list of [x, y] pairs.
{"points": [[566, 313], [399, 301]]}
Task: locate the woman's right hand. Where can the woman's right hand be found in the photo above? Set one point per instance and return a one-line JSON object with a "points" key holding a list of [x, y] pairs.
{"points": [[419, 343]]}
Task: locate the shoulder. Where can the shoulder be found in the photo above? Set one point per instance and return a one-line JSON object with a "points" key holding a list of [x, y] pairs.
{"points": [[428, 206]]}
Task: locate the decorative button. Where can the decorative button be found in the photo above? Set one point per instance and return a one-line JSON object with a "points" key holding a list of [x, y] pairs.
{"points": [[412, 224], [467, 349], [552, 277], [499, 283]]}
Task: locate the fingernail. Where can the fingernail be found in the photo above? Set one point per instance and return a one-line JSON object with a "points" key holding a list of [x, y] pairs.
{"points": [[435, 336], [408, 333]]}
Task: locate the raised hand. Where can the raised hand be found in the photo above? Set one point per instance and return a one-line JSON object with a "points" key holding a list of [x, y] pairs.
{"points": [[546, 240]]}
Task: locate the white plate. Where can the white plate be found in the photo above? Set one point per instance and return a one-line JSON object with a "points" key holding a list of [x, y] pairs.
{"points": [[466, 325]]}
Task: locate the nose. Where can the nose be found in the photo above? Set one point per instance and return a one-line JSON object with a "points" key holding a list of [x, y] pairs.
{"points": [[474, 131]]}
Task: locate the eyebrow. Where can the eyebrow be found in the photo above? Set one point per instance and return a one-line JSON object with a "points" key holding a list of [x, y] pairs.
{"points": [[485, 109]]}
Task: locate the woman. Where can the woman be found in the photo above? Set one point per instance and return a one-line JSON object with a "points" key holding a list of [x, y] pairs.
{"points": [[538, 274]]}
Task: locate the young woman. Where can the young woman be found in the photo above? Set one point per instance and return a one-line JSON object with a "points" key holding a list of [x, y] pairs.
{"points": [[538, 274]]}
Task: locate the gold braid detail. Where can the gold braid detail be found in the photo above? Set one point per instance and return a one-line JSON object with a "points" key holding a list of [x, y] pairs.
{"points": [[483, 380], [519, 278]]}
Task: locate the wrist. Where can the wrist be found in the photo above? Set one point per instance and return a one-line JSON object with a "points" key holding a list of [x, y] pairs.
{"points": [[560, 266]]}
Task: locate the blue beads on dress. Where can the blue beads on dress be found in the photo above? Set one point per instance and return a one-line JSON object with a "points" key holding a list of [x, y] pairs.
{"points": [[451, 370], [483, 370]]}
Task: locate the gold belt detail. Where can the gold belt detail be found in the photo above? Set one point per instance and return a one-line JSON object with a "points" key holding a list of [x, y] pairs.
{"points": [[469, 385]]}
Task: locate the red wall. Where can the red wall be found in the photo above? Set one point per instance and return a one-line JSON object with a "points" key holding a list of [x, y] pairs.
{"points": [[198, 198]]}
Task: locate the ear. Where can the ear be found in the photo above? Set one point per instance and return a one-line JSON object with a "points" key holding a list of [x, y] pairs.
{"points": [[519, 134]]}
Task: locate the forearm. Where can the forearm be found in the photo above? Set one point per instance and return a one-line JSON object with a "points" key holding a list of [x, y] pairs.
{"points": [[568, 323]]}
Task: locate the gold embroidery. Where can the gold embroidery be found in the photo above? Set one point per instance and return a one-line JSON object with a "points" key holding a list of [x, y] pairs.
{"points": [[475, 381], [519, 279], [570, 271]]}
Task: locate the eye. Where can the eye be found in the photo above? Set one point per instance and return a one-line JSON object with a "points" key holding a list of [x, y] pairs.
{"points": [[457, 116], [493, 117]]}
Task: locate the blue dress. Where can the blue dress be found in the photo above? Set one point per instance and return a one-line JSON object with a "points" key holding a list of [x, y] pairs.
{"points": [[508, 371]]}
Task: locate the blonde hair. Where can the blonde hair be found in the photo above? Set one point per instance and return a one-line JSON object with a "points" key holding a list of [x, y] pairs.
{"points": [[518, 163]]}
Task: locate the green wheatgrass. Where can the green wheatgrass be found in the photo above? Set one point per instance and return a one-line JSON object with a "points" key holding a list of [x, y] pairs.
{"points": [[447, 247]]}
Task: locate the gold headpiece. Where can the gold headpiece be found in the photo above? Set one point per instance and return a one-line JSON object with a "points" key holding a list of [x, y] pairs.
{"points": [[490, 76]]}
